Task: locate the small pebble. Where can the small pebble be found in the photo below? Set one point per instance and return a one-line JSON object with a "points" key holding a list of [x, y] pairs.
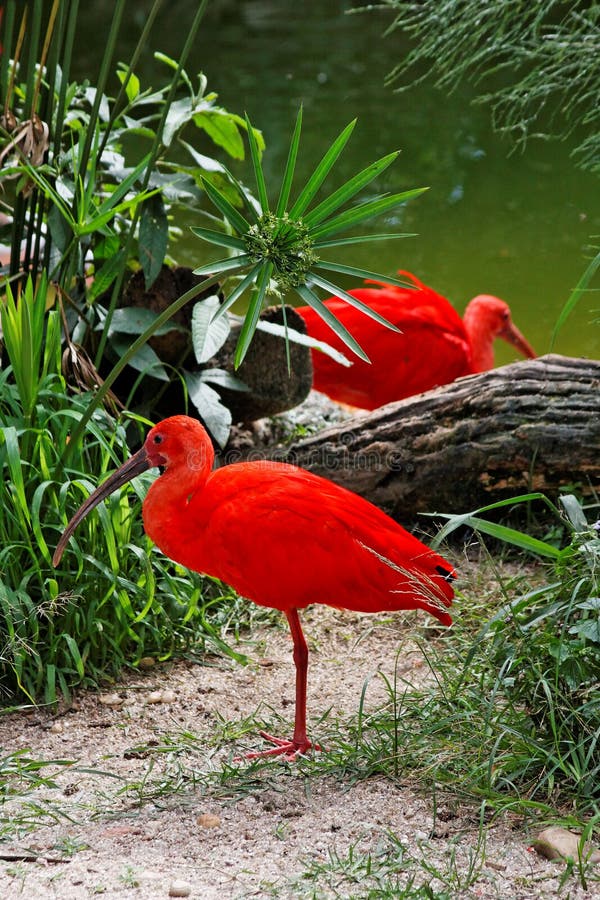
{"points": [[112, 700], [57, 728], [208, 820], [154, 697], [179, 889], [147, 662]]}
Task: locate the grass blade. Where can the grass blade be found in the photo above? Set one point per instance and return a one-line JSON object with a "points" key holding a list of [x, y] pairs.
{"points": [[290, 166], [349, 189], [574, 298], [320, 174]]}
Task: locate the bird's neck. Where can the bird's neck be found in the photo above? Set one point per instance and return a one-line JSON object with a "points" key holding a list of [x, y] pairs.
{"points": [[480, 339], [164, 508]]}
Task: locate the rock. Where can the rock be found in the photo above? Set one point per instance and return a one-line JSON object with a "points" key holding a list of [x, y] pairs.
{"points": [[559, 843]]}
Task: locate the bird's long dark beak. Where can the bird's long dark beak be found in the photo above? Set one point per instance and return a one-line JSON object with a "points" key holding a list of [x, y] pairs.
{"points": [[513, 336], [135, 465]]}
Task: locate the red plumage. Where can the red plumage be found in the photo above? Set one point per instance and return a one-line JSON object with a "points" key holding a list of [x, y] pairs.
{"points": [[434, 345], [281, 536]]}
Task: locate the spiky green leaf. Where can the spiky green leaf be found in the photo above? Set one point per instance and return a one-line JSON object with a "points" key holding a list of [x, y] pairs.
{"points": [[218, 237], [235, 218], [348, 189], [290, 166], [353, 301], [257, 166], [254, 310], [363, 211], [311, 299], [321, 172]]}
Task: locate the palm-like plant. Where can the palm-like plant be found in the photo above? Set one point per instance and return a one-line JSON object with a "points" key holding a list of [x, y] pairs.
{"points": [[279, 249], [273, 252]]}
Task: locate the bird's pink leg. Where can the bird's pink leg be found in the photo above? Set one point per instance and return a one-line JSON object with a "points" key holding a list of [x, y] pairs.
{"points": [[299, 743]]}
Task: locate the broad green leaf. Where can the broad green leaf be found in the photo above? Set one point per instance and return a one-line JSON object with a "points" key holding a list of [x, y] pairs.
{"points": [[180, 112], [290, 166], [222, 129], [311, 299], [348, 189], [60, 230], [208, 334], [235, 218], [321, 172], [135, 320], [363, 211], [125, 186], [575, 512], [106, 274], [204, 162], [132, 88], [153, 238], [143, 360], [215, 415], [225, 379]]}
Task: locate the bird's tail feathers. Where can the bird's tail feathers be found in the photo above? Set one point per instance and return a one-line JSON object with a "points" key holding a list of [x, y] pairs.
{"points": [[430, 592]]}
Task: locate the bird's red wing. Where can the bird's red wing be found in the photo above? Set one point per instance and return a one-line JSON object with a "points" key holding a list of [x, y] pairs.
{"points": [[286, 538], [432, 347]]}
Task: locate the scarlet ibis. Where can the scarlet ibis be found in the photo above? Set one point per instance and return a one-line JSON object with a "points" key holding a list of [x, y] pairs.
{"points": [[434, 345], [281, 536]]}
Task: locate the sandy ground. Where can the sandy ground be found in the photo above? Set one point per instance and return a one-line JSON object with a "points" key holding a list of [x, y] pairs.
{"points": [[231, 837]]}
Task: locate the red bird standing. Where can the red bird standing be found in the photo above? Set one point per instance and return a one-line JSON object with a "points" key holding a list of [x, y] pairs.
{"points": [[434, 345], [280, 536]]}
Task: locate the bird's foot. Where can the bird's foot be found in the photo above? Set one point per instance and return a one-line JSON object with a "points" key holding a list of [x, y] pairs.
{"points": [[290, 750]]}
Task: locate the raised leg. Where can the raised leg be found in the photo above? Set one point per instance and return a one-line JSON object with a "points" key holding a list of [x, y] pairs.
{"points": [[299, 743]]}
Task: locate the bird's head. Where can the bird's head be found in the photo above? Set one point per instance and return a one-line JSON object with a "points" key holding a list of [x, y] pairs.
{"points": [[487, 318], [178, 443]]}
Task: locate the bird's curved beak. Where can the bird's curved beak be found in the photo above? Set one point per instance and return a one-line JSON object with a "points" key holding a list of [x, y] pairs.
{"points": [[135, 465], [511, 334]]}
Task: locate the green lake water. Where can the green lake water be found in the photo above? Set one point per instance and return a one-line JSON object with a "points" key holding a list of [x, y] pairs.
{"points": [[518, 225]]}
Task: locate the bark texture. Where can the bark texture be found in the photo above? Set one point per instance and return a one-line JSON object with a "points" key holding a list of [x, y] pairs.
{"points": [[532, 425]]}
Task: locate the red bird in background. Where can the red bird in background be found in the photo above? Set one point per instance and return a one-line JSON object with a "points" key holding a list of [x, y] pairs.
{"points": [[435, 345], [280, 536]]}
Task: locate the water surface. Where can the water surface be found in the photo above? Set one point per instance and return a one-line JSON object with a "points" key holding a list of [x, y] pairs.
{"points": [[517, 225]]}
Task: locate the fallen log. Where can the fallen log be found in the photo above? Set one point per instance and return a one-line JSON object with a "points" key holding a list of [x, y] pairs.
{"points": [[531, 425]]}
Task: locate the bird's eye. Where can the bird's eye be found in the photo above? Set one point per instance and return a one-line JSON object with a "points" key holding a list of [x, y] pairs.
{"points": [[506, 315], [157, 439]]}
